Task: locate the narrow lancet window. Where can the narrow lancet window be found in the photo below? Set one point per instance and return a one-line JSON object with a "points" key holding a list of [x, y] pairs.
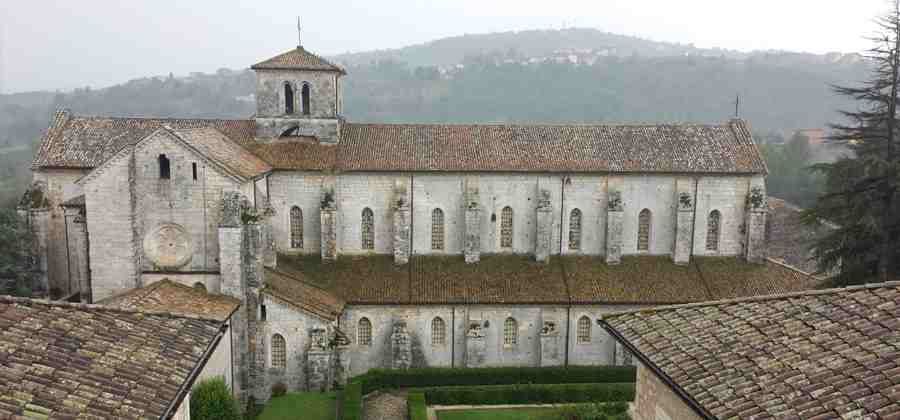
{"points": [[164, 168], [643, 237], [304, 95], [288, 99]]}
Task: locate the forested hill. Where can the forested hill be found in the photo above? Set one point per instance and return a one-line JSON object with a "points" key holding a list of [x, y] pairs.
{"points": [[573, 75]]}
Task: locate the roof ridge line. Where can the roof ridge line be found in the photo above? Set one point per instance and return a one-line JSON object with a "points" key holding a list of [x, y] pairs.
{"points": [[98, 307], [761, 298], [540, 124], [145, 118]]}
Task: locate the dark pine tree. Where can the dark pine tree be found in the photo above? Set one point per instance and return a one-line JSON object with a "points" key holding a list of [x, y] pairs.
{"points": [[860, 189]]}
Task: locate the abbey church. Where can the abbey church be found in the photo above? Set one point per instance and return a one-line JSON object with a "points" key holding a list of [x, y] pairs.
{"points": [[346, 246]]}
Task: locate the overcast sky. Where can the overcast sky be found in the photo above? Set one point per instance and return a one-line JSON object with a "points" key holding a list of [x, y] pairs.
{"points": [[64, 44]]}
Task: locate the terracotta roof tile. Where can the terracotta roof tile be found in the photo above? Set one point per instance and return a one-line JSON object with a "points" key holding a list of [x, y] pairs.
{"points": [[822, 354], [168, 296], [61, 360], [214, 145], [298, 154], [297, 59], [790, 239], [284, 285]]}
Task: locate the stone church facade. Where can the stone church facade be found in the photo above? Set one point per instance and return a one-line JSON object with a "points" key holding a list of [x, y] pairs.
{"points": [[354, 246]]}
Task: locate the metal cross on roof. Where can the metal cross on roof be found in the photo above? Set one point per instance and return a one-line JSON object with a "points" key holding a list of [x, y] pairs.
{"points": [[298, 32]]}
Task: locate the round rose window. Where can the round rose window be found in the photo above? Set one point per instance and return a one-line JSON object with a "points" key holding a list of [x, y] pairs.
{"points": [[168, 246]]}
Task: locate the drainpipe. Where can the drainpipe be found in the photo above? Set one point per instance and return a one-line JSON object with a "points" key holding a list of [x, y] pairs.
{"points": [[452, 336]]}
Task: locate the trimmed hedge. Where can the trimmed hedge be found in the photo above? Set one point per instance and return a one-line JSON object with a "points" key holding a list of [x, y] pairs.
{"points": [[416, 407], [377, 379], [528, 394], [352, 404]]}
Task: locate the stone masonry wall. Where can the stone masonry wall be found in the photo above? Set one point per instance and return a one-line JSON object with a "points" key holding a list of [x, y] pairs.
{"points": [[655, 400], [60, 187], [727, 195], [321, 122]]}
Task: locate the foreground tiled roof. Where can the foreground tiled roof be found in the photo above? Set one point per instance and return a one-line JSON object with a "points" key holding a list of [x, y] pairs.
{"points": [[87, 361], [518, 279], [86, 142], [217, 147], [814, 355], [726, 148], [168, 296], [297, 59]]}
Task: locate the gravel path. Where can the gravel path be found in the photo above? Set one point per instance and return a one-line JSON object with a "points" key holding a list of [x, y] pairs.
{"points": [[389, 405]]}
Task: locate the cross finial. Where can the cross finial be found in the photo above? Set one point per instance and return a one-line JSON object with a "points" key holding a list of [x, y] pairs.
{"points": [[737, 105], [298, 32]]}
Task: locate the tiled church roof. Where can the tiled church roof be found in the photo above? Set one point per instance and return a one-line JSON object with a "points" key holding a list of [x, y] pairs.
{"points": [[824, 354], [61, 360], [171, 297], [86, 142], [518, 279], [214, 145], [297, 59]]}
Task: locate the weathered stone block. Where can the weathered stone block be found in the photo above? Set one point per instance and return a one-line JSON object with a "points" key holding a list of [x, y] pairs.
{"points": [[543, 227]]}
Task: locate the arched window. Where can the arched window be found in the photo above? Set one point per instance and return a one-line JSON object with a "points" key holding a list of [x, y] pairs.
{"points": [[437, 229], [304, 95], [506, 227], [164, 168], [643, 237], [288, 98], [200, 286], [279, 352], [584, 329], [510, 331], [364, 332], [438, 331], [368, 229], [575, 230], [296, 227], [713, 225]]}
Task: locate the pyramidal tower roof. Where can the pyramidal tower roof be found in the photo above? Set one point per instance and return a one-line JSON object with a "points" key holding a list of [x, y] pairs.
{"points": [[297, 59]]}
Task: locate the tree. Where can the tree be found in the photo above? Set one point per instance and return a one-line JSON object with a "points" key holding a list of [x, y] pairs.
{"points": [[860, 195], [17, 257], [212, 400]]}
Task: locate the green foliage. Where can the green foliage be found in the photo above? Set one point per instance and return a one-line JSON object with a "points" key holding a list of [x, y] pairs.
{"points": [[527, 394], [416, 407], [278, 389], [212, 400], [790, 177], [592, 411], [17, 255], [352, 403], [305, 405], [377, 379]]}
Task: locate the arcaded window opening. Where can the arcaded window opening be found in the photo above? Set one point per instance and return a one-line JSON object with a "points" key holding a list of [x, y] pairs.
{"points": [[510, 332], [194, 170], [164, 167], [713, 227], [368, 229], [279, 352], [288, 99], [304, 96], [584, 330], [200, 286], [575, 230], [437, 230], [364, 332], [643, 236], [506, 227], [438, 331], [296, 227]]}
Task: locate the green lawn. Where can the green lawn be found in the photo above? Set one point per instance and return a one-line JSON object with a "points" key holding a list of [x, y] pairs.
{"points": [[301, 406], [498, 414]]}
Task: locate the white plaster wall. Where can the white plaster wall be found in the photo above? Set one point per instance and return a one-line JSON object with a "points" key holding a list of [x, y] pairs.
{"points": [[294, 325], [656, 193], [353, 193], [588, 194], [728, 195], [219, 363], [520, 192], [301, 189], [442, 191], [60, 187]]}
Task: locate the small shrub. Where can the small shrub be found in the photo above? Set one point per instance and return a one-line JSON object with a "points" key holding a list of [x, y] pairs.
{"points": [[528, 394], [416, 407], [212, 400], [278, 390], [352, 404]]}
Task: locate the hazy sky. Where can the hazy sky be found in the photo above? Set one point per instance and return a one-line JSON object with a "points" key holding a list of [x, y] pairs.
{"points": [[65, 44]]}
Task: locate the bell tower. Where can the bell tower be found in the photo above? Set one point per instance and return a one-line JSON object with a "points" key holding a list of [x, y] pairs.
{"points": [[298, 95]]}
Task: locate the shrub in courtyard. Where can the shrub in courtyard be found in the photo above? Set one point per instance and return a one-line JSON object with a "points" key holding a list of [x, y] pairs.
{"points": [[416, 407], [278, 390], [528, 394], [212, 400]]}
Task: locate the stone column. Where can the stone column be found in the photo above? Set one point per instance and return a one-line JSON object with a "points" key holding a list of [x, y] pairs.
{"points": [[269, 249], [550, 354], [401, 349], [319, 362], [472, 246], [755, 249], [401, 225], [78, 251], [543, 227], [475, 344], [684, 222], [615, 217], [328, 217]]}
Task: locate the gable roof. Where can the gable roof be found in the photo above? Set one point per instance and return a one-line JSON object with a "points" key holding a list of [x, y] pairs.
{"points": [[214, 145], [87, 142], [171, 297], [822, 354], [297, 59], [301, 294], [518, 279], [62, 360]]}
